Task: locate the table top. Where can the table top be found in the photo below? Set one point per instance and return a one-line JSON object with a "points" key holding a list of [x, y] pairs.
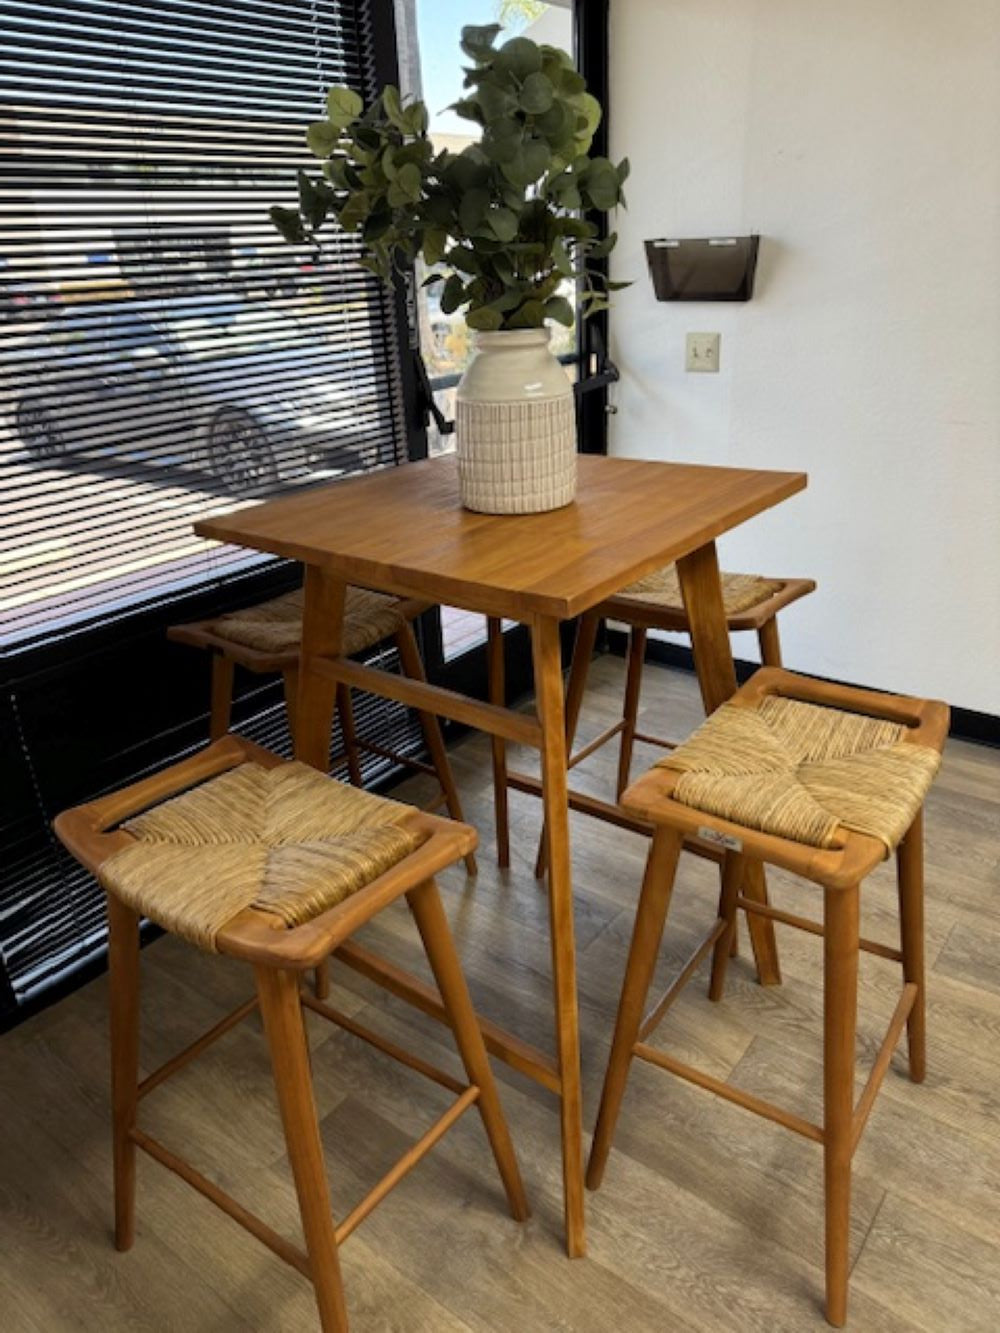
{"points": [[404, 530]]}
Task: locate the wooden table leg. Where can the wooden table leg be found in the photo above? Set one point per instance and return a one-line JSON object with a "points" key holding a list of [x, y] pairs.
{"points": [[713, 657], [547, 659], [322, 629], [497, 682]]}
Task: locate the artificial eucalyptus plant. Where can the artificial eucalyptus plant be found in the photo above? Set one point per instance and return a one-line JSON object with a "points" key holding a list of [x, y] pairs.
{"points": [[501, 221]]}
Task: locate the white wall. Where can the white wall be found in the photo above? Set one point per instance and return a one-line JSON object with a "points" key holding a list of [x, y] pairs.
{"points": [[862, 140]]}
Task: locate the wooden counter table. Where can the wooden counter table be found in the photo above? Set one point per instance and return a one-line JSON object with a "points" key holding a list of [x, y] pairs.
{"points": [[404, 531]]}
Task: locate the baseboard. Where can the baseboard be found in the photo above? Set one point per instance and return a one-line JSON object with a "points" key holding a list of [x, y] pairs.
{"points": [[966, 723]]}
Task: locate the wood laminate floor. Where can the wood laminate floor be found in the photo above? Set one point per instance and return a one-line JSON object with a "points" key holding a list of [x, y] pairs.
{"points": [[709, 1218]]}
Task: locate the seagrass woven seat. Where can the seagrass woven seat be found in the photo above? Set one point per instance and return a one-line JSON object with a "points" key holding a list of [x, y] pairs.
{"points": [[276, 626], [824, 781], [804, 771], [288, 841], [278, 865], [740, 592]]}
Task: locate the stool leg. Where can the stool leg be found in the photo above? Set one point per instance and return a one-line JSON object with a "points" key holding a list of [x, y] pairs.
{"points": [[732, 878], [425, 904], [910, 879], [413, 666], [123, 980], [630, 713], [840, 1006], [657, 886], [291, 683], [345, 714], [770, 643], [576, 688], [286, 1038], [501, 804], [222, 696]]}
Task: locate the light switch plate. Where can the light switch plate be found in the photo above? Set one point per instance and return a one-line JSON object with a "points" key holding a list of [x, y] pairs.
{"points": [[702, 352]]}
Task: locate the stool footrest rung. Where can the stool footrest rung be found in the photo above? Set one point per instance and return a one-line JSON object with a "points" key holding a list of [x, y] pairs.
{"points": [[745, 1099], [661, 741], [878, 1070], [406, 1163], [814, 927], [383, 1044], [657, 1013], [609, 733], [189, 1053], [520, 1055], [283, 1248]]}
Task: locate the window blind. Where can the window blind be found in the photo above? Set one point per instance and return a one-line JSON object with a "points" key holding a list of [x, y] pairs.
{"points": [[165, 353]]}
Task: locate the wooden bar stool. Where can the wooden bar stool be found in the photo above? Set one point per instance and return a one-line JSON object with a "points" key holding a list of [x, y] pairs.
{"points": [[267, 638], [655, 602], [244, 854], [824, 781]]}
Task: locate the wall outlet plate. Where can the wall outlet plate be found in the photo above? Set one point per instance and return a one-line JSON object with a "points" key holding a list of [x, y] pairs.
{"points": [[702, 351]]}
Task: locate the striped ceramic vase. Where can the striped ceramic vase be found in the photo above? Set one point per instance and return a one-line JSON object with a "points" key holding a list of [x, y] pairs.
{"points": [[515, 426]]}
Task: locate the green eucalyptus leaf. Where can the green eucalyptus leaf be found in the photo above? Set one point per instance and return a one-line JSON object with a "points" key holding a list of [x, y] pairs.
{"points": [[435, 242], [484, 319], [472, 208], [322, 138], [376, 224], [439, 209], [502, 141], [469, 109], [477, 41], [531, 315], [561, 257], [409, 180], [452, 294], [571, 84], [415, 118], [503, 223], [624, 168], [463, 259], [354, 212], [520, 56], [559, 309], [342, 106], [537, 94], [531, 162], [431, 279], [314, 201], [495, 102], [604, 247], [393, 106], [289, 223], [465, 172]]}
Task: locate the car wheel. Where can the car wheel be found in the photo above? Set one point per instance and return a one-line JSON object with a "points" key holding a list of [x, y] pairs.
{"points": [[38, 430], [239, 453]]}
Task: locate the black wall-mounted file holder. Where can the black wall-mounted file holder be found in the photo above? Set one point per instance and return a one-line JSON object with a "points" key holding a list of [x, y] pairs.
{"points": [[718, 268]]}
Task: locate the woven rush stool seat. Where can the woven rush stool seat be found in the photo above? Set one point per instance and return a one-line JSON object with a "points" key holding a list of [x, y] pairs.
{"points": [[267, 638], [276, 626], [824, 781], [244, 854], [662, 588], [804, 772], [286, 840]]}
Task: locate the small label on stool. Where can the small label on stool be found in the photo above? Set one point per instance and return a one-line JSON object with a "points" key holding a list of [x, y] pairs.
{"points": [[720, 839]]}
